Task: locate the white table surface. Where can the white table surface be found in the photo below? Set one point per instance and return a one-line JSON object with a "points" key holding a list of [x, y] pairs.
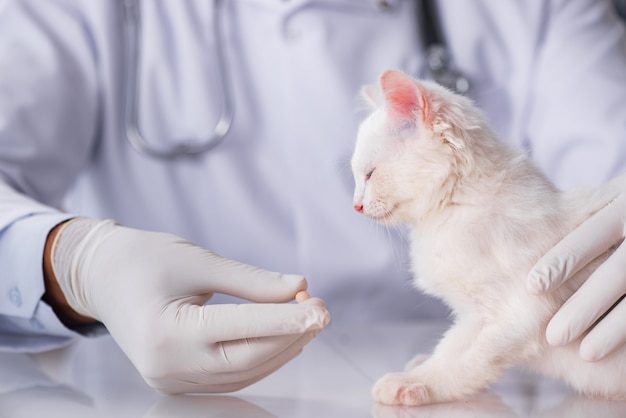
{"points": [[333, 377]]}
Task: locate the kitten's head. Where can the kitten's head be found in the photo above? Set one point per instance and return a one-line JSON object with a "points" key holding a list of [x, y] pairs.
{"points": [[411, 148]]}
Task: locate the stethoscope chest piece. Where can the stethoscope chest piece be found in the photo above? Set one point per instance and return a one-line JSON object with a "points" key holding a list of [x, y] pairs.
{"points": [[439, 69], [438, 63]]}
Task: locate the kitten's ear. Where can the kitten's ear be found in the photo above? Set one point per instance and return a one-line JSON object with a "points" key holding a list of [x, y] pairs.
{"points": [[404, 96], [371, 96]]}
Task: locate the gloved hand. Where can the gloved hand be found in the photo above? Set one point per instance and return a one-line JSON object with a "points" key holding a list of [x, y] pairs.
{"points": [[150, 289], [603, 289]]}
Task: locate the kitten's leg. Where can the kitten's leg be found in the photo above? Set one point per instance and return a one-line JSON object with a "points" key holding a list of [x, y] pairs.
{"points": [[416, 361], [469, 358]]}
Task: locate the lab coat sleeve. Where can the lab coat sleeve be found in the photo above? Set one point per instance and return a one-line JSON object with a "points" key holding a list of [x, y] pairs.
{"points": [[48, 120], [576, 126]]}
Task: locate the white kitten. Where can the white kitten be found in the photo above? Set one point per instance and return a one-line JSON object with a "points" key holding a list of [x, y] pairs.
{"points": [[482, 215]]}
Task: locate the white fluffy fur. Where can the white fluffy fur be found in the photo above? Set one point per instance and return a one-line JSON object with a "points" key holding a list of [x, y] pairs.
{"points": [[482, 215]]}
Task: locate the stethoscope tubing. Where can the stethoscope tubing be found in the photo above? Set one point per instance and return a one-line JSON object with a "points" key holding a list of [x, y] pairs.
{"points": [[437, 67], [183, 147]]}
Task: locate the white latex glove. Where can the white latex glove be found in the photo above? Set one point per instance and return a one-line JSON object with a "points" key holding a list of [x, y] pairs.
{"points": [[603, 289], [149, 290]]}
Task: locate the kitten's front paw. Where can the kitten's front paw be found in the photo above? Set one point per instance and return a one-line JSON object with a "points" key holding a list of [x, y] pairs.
{"points": [[400, 389]]}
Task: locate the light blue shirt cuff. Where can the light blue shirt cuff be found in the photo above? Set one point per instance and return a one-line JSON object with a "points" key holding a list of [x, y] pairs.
{"points": [[27, 323]]}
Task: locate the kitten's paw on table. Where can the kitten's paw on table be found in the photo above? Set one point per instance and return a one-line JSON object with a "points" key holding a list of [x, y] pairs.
{"points": [[400, 389]]}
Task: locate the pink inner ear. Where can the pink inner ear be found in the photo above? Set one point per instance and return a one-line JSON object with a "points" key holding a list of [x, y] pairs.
{"points": [[403, 96]]}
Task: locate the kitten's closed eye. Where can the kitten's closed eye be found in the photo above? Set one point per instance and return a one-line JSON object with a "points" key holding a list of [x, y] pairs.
{"points": [[457, 185]]}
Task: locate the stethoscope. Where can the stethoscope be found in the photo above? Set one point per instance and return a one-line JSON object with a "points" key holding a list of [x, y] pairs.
{"points": [[438, 67], [183, 147]]}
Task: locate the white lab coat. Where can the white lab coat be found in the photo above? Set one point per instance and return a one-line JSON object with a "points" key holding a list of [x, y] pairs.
{"points": [[277, 193]]}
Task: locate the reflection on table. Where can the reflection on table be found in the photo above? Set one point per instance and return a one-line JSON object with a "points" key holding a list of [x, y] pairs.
{"points": [[333, 377]]}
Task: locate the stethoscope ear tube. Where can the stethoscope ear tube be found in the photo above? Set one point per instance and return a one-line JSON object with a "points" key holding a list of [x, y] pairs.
{"points": [[132, 34]]}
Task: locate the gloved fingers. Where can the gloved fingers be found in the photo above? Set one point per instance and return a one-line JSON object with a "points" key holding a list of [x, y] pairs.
{"points": [[244, 355], [579, 248], [314, 302], [227, 322], [205, 272], [606, 336], [268, 367], [212, 381], [595, 297]]}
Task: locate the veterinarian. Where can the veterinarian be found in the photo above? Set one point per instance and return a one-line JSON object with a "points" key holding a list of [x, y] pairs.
{"points": [[139, 140]]}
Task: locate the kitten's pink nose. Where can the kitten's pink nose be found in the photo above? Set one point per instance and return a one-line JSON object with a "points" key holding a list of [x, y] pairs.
{"points": [[358, 208]]}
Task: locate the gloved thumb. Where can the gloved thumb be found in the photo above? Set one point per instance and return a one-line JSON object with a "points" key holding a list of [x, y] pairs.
{"points": [[579, 248]]}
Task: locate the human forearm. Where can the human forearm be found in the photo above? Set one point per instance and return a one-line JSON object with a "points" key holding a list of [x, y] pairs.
{"points": [[53, 295]]}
